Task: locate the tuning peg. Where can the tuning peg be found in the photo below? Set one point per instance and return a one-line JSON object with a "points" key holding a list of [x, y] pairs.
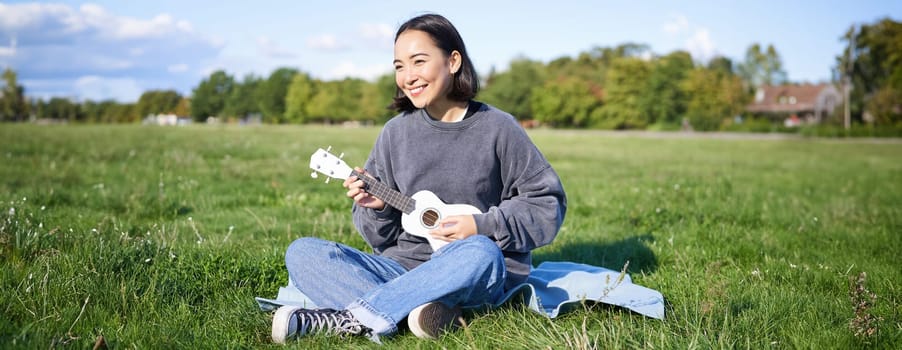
{"points": [[328, 148], [327, 179], [314, 175], [342, 155]]}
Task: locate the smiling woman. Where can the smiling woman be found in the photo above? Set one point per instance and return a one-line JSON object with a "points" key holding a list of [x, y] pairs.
{"points": [[421, 61], [458, 151], [424, 75]]}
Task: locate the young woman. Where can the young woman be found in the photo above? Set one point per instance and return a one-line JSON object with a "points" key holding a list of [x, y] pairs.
{"points": [[466, 152]]}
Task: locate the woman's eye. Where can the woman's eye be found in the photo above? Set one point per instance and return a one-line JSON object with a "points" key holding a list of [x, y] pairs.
{"points": [[398, 68], [419, 62]]}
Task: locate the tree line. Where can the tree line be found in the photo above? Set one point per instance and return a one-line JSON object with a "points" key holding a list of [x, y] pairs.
{"points": [[621, 87]]}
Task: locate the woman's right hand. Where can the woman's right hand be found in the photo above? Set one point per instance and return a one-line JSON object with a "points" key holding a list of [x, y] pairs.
{"points": [[360, 196]]}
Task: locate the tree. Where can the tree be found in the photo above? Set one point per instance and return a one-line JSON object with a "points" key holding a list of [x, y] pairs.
{"points": [[183, 108], [721, 64], [61, 109], [594, 68], [210, 96], [243, 101], [885, 106], [271, 94], [121, 113], [356, 107], [774, 74], [106, 111], [872, 62], [385, 87], [565, 102], [512, 90], [13, 106], [325, 103], [625, 50], [36, 107], [376, 97], [592, 65], [663, 100], [93, 112], [157, 102], [713, 96], [300, 93], [762, 68], [624, 107]]}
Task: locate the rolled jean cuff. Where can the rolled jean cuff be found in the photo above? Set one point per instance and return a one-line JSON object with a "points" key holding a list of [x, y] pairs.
{"points": [[380, 323]]}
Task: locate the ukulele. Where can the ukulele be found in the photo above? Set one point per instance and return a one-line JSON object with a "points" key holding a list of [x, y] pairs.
{"points": [[420, 213]]}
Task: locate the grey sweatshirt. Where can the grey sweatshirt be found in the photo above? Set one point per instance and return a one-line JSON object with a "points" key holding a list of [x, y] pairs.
{"points": [[486, 160]]}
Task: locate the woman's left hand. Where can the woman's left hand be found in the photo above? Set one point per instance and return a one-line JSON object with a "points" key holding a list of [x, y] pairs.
{"points": [[453, 228]]}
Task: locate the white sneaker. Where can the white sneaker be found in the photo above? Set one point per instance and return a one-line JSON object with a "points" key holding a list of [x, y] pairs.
{"points": [[431, 320]]}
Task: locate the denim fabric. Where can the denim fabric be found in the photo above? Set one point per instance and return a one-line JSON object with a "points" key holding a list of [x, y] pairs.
{"points": [[334, 275], [379, 292]]}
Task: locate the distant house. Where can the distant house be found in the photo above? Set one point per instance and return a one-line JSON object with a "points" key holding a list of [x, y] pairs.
{"points": [[796, 104], [166, 119]]}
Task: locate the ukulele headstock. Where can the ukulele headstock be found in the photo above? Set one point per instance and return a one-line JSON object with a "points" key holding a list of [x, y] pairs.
{"points": [[328, 164]]}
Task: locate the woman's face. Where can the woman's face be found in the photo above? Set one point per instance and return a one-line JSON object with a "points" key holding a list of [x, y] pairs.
{"points": [[423, 71]]}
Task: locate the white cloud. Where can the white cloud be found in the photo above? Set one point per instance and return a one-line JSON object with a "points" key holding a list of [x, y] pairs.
{"points": [[48, 87], [216, 41], [326, 42], [97, 88], [111, 63], [676, 24], [43, 22], [271, 49], [9, 51], [368, 35], [63, 43], [129, 28], [177, 68], [379, 31], [350, 69], [124, 28], [185, 26], [698, 40], [700, 45], [31, 16], [380, 36]]}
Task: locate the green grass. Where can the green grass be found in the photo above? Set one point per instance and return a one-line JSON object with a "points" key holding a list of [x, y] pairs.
{"points": [[160, 237]]}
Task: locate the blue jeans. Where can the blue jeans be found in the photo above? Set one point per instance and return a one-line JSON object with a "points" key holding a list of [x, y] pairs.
{"points": [[380, 292]]}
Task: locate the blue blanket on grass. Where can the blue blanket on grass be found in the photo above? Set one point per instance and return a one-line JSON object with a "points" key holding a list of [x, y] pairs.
{"points": [[553, 288]]}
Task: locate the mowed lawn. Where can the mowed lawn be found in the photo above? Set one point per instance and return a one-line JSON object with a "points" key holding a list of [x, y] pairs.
{"points": [[160, 237]]}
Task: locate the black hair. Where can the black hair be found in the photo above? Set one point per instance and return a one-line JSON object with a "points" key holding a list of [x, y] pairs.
{"points": [[464, 83]]}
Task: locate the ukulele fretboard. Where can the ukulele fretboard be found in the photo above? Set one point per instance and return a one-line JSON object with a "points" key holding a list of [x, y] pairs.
{"points": [[394, 198]]}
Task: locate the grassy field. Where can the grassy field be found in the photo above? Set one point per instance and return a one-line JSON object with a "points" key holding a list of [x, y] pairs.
{"points": [[157, 237]]}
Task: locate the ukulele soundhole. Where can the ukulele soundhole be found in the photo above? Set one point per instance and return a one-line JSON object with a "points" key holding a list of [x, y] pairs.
{"points": [[429, 218]]}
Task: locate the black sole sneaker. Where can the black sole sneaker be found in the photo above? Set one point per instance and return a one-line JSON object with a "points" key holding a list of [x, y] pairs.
{"points": [[431, 320]]}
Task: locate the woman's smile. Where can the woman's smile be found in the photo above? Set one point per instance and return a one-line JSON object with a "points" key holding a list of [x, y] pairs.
{"points": [[414, 92]]}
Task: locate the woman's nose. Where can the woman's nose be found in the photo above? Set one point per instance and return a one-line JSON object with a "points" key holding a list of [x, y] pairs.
{"points": [[410, 76]]}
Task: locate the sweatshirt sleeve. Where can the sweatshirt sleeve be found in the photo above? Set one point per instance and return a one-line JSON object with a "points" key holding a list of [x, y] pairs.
{"points": [[533, 206], [379, 228]]}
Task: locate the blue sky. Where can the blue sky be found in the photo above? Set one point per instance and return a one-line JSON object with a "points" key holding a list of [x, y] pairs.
{"points": [[118, 49]]}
